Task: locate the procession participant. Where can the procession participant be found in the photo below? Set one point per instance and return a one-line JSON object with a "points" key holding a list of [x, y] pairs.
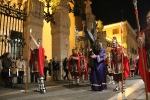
{"points": [[132, 65], [117, 53], [40, 63], [98, 70], [21, 64], [83, 66], [65, 68], [144, 40], [110, 69], [74, 67], [56, 67]]}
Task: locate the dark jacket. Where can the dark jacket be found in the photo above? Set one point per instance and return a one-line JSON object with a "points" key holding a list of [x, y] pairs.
{"points": [[65, 64], [55, 65], [6, 64]]}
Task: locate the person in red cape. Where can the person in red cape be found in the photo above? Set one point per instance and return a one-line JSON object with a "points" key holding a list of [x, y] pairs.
{"points": [[117, 52], [74, 67], [40, 63], [144, 39], [110, 68], [83, 66]]}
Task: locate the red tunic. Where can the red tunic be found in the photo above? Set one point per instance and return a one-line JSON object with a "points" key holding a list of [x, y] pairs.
{"points": [[140, 65], [78, 63], [41, 60]]}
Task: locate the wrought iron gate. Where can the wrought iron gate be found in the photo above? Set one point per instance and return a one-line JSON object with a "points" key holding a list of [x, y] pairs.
{"points": [[11, 28]]}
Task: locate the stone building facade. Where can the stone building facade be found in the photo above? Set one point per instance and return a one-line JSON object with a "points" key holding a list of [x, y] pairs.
{"points": [[127, 38]]}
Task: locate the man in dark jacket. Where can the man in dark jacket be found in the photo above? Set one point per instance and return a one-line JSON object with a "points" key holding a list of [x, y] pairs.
{"points": [[65, 65], [55, 65], [50, 67], [6, 64]]}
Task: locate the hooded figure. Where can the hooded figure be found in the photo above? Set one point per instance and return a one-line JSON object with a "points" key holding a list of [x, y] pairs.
{"points": [[98, 70]]}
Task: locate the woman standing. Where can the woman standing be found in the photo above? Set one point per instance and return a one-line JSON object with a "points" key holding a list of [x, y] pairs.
{"points": [[6, 64]]}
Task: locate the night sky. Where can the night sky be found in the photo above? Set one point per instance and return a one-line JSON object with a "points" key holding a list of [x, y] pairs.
{"points": [[110, 11]]}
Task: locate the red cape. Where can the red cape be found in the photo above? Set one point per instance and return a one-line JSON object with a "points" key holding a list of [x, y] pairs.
{"points": [[41, 60], [69, 64], [140, 65], [125, 64], [126, 67]]}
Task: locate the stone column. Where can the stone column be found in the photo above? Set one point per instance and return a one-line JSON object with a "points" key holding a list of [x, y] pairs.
{"points": [[34, 21], [60, 32]]}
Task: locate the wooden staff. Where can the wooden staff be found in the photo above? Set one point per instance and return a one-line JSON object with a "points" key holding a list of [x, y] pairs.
{"points": [[122, 55], [26, 86], [141, 48]]}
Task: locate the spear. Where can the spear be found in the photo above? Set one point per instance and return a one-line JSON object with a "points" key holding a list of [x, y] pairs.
{"points": [[122, 68], [138, 27]]}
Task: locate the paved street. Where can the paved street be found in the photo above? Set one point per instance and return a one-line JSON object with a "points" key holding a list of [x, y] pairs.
{"points": [[61, 90]]}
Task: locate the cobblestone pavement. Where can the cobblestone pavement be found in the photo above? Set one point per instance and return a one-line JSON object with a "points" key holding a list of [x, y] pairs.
{"points": [[61, 90]]}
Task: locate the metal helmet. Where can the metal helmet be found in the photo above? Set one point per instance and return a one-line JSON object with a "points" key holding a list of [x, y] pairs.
{"points": [[114, 42], [39, 41]]}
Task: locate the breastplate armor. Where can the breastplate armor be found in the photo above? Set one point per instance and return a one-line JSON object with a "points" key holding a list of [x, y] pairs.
{"points": [[81, 61], [147, 39], [116, 53], [82, 66], [73, 62]]}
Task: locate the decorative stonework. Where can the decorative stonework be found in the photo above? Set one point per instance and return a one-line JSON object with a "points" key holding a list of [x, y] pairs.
{"points": [[88, 8], [61, 16], [35, 8], [62, 3], [89, 16], [60, 31]]}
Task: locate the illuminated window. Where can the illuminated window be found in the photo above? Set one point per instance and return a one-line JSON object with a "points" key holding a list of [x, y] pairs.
{"points": [[116, 31]]}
